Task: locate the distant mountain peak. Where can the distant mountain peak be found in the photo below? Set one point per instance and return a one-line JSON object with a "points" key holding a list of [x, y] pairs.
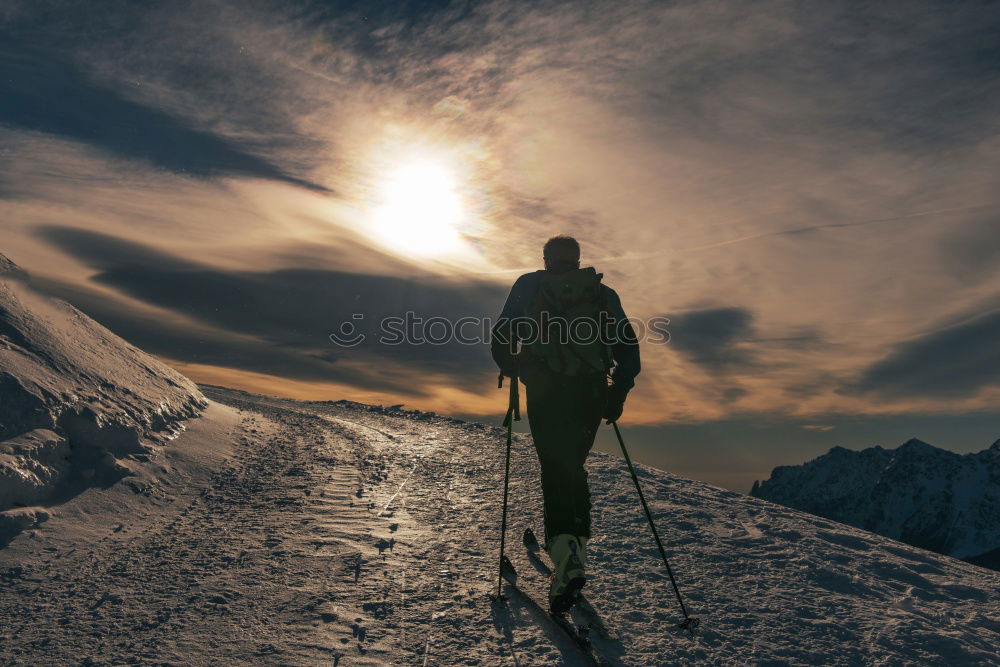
{"points": [[917, 493], [917, 444]]}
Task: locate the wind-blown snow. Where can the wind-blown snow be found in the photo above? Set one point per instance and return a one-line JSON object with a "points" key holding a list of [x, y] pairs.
{"points": [[916, 493], [78, 405], [346, 534]]}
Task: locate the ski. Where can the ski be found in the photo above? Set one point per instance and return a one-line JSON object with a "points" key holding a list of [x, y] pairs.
{"points": [[583, 607], [574, 634], [577, 633]]}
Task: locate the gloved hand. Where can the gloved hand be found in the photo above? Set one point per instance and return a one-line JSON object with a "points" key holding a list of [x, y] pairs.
{"points": [[506, 373], [616, 403], [509, 371]]}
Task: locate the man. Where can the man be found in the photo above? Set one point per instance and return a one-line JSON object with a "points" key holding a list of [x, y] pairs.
{"points": [[545, 337]]}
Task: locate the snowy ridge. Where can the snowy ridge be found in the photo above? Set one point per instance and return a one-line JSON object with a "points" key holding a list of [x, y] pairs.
{"points": [[916, 493], [78, 405], [346, 534]]}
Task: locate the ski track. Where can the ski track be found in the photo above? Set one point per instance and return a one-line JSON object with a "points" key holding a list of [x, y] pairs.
{"points": [[340, 535]]}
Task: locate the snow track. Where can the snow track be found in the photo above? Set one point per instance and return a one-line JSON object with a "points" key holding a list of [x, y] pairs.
{"points": [[348, 535]]}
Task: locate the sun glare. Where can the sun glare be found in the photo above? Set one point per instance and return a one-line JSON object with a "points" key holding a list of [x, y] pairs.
{"points": [[419, 209]]}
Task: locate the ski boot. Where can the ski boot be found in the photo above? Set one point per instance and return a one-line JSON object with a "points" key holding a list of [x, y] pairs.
{"points": [[569, 559]]}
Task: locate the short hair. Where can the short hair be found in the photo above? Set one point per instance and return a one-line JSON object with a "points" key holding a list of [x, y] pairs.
{"points": [[562, 247]]}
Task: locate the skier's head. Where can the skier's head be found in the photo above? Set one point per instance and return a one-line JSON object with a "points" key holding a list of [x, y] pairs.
{"points": [[561, 253]]}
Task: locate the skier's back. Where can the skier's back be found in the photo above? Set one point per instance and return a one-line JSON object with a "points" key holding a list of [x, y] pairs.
{"points": [[573, 334]]}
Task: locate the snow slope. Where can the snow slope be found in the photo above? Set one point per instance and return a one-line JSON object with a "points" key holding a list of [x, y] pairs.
{"points": [[78, 405], [345, 534], [916, 493]]}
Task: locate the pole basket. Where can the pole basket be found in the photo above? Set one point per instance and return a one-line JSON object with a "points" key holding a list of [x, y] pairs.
{"points": [[690, 624]]}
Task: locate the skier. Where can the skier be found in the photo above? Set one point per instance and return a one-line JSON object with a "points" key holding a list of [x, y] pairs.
{"points": [[563, 334]]}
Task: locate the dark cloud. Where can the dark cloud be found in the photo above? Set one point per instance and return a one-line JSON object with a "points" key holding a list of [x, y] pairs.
{"points": [[951, 362], [819, 383], [44, 92], [714, 338], [285, 314], [725, 341], [190, 343], [733, 394]]}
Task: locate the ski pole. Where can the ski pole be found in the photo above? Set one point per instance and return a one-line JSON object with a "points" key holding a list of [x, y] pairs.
{"points": [[513, 414], [689, 623]]}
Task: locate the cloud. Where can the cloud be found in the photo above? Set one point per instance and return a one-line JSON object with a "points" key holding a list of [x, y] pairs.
{"points": [[714, 338], [957, 360], [44, 93], [280, 321]]}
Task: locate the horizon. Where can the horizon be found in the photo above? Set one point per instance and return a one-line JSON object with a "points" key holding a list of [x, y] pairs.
{"points": [[808, 195]]}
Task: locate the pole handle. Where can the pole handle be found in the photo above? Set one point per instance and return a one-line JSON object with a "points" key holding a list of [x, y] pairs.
{"points": [[513, 403]]}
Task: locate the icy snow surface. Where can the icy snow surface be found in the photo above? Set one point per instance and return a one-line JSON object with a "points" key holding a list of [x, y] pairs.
{"points": [[343, 534]]}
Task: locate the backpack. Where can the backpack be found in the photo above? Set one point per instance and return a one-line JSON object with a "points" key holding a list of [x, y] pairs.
{"points": [[561, 299]]}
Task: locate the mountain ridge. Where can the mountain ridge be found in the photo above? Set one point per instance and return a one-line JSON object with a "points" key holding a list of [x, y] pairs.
{"points": [[917, 493]]}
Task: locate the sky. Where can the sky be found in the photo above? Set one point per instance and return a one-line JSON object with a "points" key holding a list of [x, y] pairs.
{"points": [[808, 191]]}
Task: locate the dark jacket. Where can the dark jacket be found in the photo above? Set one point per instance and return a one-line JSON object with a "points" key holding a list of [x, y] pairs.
{"points": [[625, 352]]}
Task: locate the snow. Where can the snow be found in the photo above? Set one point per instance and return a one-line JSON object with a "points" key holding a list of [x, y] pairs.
{"points": [[916, 493], [78, 405], [339, 533]]}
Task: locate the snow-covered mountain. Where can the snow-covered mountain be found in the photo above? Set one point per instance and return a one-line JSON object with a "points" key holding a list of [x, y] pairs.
{"points": [[916, 493], [78, 405]]}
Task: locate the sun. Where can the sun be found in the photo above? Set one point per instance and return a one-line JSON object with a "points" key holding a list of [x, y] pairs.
{"points": [[419, 209]]}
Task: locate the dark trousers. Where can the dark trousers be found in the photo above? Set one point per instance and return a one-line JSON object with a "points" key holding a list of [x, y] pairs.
{"points": [[564, 414]]}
